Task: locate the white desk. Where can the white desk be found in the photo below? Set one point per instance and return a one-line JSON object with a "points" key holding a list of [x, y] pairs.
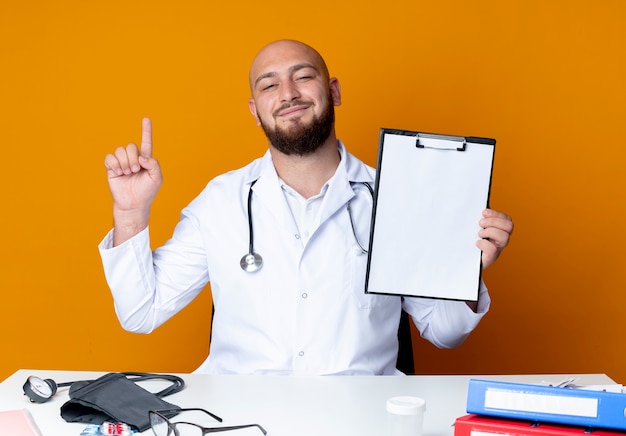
{"points": [[286, 405]]}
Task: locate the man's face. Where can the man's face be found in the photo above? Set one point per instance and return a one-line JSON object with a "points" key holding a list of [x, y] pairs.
{"points": [[298, 137], [292, 97]]}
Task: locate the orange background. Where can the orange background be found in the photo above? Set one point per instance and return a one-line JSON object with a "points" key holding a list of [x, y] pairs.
{"points": [[545, 78]]}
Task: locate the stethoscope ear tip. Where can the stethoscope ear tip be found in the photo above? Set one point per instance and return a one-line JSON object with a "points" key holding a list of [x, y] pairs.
{"points": [[251, 262]]}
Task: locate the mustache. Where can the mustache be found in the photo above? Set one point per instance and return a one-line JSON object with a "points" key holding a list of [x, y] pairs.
{"points": [[291, 104]]}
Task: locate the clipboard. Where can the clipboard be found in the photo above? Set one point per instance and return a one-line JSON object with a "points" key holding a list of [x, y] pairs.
{"points": [[430, 191]]}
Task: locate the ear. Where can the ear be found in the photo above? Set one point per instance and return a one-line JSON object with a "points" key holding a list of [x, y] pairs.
{"points": [[252, 107], [335, 91]]}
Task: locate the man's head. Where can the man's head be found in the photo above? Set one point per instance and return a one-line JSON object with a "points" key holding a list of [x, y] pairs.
{"points": [[293, 97]]}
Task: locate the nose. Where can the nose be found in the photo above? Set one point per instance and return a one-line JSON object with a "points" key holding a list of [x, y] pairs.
{"points": [[289, 91]]}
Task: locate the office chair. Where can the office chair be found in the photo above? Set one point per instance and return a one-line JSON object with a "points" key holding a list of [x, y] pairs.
{"points": [[404, 361]]}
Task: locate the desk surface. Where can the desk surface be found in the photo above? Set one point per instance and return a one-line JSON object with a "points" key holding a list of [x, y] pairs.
{"points": [[288, 405]]}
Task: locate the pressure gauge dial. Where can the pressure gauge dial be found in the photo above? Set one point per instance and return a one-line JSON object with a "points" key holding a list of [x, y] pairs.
{"points": [[39, 390]]}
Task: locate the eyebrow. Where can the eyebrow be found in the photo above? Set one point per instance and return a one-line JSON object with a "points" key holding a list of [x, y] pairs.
{"points": [[292, 70]]}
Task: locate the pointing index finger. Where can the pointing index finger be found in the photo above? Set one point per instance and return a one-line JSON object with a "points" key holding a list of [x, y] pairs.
{"points": [[146, 138]]}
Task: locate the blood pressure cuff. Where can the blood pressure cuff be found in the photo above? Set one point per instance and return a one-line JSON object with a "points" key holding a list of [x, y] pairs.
{"points": [[114, 398]]}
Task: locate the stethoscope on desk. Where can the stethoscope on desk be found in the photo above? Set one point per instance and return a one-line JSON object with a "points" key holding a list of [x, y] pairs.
{"points": [[251, 261]]}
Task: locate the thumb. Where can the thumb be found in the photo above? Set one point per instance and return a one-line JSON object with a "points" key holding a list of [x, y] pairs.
{"points": [[149, 164]]}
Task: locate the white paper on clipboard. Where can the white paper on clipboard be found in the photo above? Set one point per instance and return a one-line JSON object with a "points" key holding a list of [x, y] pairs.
{"points": [[430, 193]]}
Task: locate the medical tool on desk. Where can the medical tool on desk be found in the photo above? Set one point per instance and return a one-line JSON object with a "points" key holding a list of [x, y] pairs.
{"points": [[114, 397], [251, 261], [40, 390]]}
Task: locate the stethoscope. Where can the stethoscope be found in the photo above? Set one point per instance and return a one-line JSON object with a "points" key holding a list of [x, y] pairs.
{"points": [[251, 261]]}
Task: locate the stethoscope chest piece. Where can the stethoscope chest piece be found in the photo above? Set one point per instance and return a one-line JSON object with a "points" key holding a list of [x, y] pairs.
{"points": [[251, 262]]}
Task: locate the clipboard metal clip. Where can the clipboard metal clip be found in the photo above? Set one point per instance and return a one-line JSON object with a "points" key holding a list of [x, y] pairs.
{"points": [[442, 142]]}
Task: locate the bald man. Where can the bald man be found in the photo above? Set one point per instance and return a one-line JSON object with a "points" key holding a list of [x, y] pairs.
{"points": [[274, 239]]}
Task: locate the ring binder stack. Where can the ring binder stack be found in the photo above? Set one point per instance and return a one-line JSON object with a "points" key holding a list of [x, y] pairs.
{"points": [[497, 407], [478, 425]]}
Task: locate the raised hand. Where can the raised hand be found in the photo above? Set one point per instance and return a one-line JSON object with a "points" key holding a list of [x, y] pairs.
{"points": [[134, 178]]}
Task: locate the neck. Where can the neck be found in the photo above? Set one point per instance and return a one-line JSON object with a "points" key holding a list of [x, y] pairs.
{"points": [[307, 174]]}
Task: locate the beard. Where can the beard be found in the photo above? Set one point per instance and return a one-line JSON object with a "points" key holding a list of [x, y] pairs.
{"points": [[301, 139]]}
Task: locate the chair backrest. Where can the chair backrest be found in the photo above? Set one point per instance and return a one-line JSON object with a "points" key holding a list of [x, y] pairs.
{"points": [[405, 362]]}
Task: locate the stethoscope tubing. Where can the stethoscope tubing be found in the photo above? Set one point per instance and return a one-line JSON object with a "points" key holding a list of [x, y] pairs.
{"points": [[250, 230], [251, 261], [369, 188]]}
